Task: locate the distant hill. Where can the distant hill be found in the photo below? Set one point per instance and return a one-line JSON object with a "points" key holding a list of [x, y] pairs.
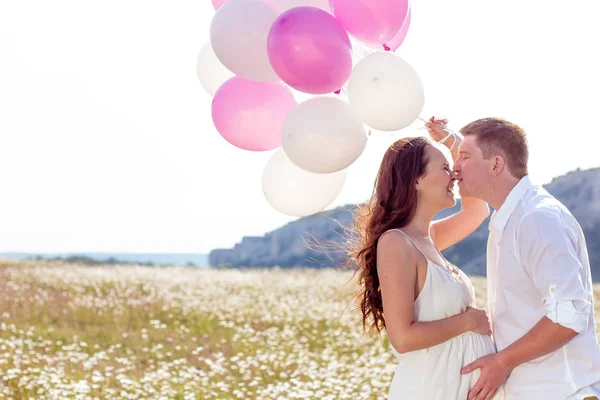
{"points": [[286, 247], [196, 260]]}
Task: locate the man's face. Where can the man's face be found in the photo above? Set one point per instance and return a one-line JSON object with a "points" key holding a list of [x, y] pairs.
{"points": [[474, 173]]}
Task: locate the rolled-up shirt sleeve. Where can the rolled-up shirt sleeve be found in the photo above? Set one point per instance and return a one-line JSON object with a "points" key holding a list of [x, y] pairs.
{"points": [[548, 250]]}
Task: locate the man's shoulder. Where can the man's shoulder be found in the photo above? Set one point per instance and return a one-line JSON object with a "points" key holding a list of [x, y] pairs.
{"points": [[539, 201], [540, 207]]}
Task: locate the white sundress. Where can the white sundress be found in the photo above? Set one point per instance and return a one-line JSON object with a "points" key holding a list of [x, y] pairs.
{"points": [[434, 373]]}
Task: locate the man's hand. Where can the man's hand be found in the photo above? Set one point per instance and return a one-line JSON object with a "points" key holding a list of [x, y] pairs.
{"points": [[494, 372]]}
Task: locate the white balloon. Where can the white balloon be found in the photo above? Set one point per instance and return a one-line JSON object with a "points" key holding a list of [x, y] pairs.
{"points": [[385, 92], [321, 135], [211, 72], [293, 191], [284, 5], [238, 34]]}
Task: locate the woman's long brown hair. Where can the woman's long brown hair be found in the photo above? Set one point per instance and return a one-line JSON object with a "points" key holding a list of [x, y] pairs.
{"points": [[392, 205]]}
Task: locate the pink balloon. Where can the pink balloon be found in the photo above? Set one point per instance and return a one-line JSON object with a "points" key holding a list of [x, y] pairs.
{"points": [[218, 3], [373, 22], [395, 43], [250, 115], [309, 50]]}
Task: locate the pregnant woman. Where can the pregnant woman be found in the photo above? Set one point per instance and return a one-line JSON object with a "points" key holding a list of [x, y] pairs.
{"points": [[424, 303]]}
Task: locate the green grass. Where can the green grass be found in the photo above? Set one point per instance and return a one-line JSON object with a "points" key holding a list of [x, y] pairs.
{"points": [[125, 332]]}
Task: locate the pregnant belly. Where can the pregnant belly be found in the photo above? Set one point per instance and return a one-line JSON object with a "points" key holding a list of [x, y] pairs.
{"points": [[438, 367]]}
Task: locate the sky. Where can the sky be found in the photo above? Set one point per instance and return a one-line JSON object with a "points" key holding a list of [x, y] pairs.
{"points": [[107, 141]]}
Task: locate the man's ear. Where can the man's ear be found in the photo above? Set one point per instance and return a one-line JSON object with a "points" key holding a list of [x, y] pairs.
{"points": [[499, 165]]}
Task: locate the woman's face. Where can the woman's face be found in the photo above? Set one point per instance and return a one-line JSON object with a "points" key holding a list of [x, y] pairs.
{"points": [[437, 184]]}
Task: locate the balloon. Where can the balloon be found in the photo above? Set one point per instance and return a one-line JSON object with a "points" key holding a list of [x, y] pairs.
{"points": [[385, 92], [310, 51], [295, 192], [238, 34], [284, 5], [373, 22], [211, 72], [218, 3], [250, 115], [395, 43], [322, 135]]}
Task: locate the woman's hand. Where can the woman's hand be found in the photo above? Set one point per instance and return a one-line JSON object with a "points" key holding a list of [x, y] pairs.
{"points": [[437, 131], [479, 321]]}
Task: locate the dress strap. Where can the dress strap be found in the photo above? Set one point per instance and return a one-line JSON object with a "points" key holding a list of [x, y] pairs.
{"points": [[453, 272], [409, 238]]}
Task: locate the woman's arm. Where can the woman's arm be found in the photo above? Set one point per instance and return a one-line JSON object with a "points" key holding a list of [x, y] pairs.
{"points": [[397, 270], [453, 229]]}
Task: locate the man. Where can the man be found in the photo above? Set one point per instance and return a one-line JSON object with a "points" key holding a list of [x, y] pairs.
{"points": [[540, 294]]}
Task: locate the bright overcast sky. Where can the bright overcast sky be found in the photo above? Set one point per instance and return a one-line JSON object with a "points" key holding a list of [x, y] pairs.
{"points": [[107, 142]]}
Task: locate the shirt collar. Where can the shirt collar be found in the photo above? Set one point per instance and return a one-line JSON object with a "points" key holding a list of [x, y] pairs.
{"points": [[500, 217]]}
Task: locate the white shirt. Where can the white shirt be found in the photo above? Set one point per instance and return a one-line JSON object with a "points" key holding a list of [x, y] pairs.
{"points": [[537, 265]]}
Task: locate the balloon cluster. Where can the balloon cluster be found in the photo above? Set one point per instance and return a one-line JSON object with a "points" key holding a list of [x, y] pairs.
{"points": [[261, 51]]}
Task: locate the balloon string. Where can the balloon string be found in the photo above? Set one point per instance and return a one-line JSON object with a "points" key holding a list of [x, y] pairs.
{"points": [[366, 50], [429, 122]]}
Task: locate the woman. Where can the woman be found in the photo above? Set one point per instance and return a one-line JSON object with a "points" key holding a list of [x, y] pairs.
{"points": [[427, 302]]}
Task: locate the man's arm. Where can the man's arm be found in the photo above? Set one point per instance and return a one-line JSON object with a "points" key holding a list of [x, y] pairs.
{"points": [[544, 338]]}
